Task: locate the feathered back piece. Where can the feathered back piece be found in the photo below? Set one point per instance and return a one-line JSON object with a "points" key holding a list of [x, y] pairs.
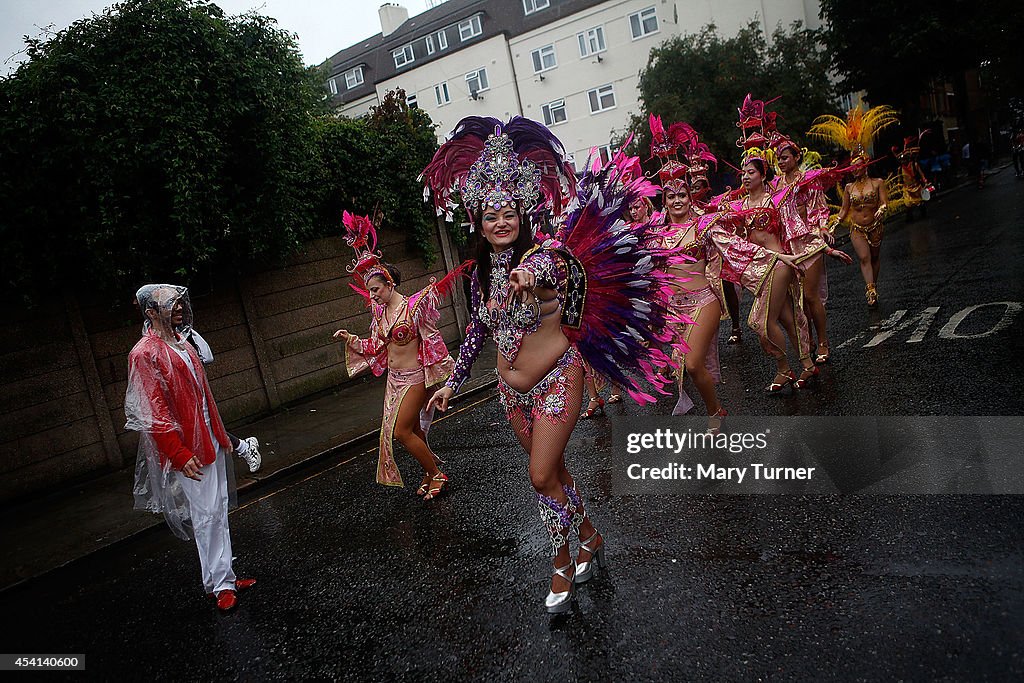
{"points": [[623, 315], [361, 235], [857, 131], [489, 163]]}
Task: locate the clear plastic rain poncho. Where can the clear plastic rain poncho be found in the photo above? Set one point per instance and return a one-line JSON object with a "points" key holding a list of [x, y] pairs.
{"points": [[168, 401]]}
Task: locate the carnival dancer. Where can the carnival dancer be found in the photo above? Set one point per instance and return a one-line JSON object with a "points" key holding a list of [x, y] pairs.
{"points": [[183, 469], [796, 165], [753, 234], [866, 199], [697, 295], [913, 182], [405, 341], [595, 292], [700, 196]]}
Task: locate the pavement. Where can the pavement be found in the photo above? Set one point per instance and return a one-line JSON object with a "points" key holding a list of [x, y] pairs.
{"points": [[50, 531]]}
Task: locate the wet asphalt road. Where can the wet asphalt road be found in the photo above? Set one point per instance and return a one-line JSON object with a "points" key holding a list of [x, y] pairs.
{"points": [[361, 582]]}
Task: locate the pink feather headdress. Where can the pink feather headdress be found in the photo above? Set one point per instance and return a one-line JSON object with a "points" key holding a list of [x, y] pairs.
{"points": [[361, 235]]}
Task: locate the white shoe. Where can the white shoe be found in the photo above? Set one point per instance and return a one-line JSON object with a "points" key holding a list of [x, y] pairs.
{"points": [[252, 456]]}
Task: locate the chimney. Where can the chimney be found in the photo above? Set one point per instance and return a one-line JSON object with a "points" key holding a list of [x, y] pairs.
{"points": [[392, 15]]}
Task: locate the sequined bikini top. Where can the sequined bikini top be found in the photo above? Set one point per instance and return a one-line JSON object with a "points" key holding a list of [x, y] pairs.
{"points": [[768, 220], [402, 329], [509, 318], [866, 199]]}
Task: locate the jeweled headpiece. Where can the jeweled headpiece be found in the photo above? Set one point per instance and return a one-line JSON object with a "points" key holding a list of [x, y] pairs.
{"points": [[361, 235], [493, 164], [857, 131], [499, 179]]}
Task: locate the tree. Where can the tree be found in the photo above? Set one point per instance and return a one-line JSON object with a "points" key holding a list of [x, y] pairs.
{"points": [[893, 50], [702, 79], [156, 140]]}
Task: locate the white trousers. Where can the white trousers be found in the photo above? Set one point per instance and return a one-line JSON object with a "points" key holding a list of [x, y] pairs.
{"points": [[208, 504]]}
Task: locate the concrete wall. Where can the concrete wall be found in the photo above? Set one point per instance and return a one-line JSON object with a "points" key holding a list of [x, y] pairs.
{"points": [[63, 368]]}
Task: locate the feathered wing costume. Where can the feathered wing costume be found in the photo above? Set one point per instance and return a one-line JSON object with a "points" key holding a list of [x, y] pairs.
{"points": [[417, 320]]}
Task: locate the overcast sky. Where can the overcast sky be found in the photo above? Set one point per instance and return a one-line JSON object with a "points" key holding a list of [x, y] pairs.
{"points": [[323, 26]]}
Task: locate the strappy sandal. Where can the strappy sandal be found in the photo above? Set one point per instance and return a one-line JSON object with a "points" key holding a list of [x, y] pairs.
{"points": [[822, 358], [871, 294], [591, 411], [776, 386], [734, 338], [585, 570], [424, 486], [557, 603], [437, 485], [807, 375]]}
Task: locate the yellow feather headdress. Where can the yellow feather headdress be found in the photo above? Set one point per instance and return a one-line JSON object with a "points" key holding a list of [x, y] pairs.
{"points": [[857, 131]]}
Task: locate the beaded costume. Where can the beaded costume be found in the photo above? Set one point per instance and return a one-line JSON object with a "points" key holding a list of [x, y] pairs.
{"points": [[610, 287], [415, 321]]}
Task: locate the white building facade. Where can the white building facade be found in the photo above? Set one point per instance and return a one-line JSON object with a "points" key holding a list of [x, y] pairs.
{"points": [[571, 64]]}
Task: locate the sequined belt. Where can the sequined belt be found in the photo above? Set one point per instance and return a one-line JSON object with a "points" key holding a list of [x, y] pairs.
{"points": [[512, 398]]}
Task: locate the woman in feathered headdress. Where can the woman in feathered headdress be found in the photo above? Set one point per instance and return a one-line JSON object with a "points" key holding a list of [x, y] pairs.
{"points": [[591, 293], [912, 179], [763, 244], [865, 200], [697, 297], [795, 165], [405, 341]]}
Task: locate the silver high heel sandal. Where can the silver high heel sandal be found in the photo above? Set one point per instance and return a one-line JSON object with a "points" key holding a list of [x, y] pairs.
{"points": [[558, 519], [557, 603], [585, 570]]}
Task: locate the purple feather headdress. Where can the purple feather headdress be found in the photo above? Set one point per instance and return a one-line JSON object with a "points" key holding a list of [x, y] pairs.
{"points": [[489, 163]]}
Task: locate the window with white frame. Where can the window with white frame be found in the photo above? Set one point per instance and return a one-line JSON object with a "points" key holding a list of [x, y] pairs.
{"points": [[441, 93], [643, 23], [333, 85], [476, 81], [354, 77], [403, 56], [469, 28], [591, 41], [544, 59], [412, 101], [605, 152], [430, 44], [531, 6], [601, 99], [554, 112], [441, 38]]}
